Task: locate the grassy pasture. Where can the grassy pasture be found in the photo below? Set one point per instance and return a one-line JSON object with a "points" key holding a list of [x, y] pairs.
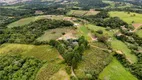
{"points": [[115, 71], [129, 18], [83, 31], [28, 20], [82, 12], [94, 60], [43, 52], [96, 28], [54, 33]]}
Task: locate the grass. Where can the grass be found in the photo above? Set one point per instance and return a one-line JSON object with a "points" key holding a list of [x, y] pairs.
{"points": [[43, 52], [115, 71], [83, 31], [129, 18], [54, 34], [82, 12], [94, 60], [96, 28], [28, 20], [120, 46], [139, 33]]}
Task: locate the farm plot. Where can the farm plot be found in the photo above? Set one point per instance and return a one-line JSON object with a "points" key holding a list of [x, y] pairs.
{"points": [[115, 71]]}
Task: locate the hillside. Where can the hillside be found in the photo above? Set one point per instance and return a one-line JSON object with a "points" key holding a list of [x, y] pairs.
{"points": [[70, 40]]}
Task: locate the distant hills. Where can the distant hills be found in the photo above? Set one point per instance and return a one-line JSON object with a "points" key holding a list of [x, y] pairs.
{"points": [[13, 1]]}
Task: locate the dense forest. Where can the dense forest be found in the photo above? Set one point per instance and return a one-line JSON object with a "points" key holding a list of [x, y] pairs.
{"points": [[19, 68]]}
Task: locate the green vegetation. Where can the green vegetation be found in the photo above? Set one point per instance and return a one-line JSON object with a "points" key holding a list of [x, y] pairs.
{"points": [[94, 61], [71, 50], [54, 34], [120, 46], [29, 33], [82, 12], [71, 40], [17, 67], [115, 71], [42, 52], [128, 17], [25, 21], [139, 33]]}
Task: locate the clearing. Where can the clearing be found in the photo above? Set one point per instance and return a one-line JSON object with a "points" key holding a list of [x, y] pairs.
{"points": [[55, 33]]}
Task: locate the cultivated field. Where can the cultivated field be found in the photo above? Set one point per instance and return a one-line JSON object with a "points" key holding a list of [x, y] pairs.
{"points": [[115, 71], [127, 17]]}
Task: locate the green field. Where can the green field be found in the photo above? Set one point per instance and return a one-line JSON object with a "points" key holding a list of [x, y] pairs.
{"points": [[129, 18], [54, 34], [96, 28], [82, 12], [83, 31], [115, 71], [120, 46], [28, 20], [43, 52]]}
